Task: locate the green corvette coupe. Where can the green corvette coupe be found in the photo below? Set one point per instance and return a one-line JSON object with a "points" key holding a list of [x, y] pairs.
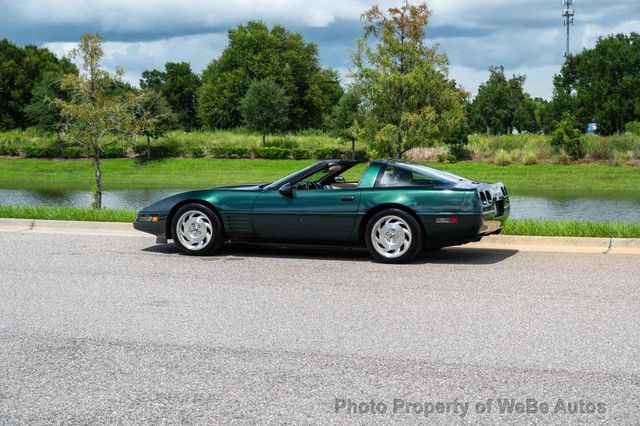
{"points": [[394, 208]]}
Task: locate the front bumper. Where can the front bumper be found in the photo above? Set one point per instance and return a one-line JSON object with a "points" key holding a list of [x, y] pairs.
{"points": [[152, 223]]}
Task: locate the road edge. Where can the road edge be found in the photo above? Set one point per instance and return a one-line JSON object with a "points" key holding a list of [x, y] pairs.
{"points": [[497, 242]]}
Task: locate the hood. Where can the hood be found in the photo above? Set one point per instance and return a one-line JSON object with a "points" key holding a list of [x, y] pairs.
{"points": [[244, 187]]}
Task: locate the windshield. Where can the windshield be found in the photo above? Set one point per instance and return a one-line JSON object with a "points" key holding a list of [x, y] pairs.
{"points": [[290, 177]]}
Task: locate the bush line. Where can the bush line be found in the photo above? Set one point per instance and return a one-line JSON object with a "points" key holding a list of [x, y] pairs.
{"points": [[170, 150]]}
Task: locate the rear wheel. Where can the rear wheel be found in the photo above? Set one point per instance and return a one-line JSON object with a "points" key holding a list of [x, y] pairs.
{"points": [[196, 230], [393, 236]]}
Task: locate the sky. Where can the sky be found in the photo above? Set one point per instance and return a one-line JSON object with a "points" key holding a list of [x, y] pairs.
{"points": [[527, 37]]}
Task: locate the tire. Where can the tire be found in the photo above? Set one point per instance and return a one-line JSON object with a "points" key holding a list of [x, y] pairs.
{"points": [[393, 236], [197, 230]]}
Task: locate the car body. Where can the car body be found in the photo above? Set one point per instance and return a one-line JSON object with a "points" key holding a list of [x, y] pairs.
{"points": [[427, 208]]}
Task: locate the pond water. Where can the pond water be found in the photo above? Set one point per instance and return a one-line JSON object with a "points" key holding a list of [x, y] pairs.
{"points": [[555, 206]]}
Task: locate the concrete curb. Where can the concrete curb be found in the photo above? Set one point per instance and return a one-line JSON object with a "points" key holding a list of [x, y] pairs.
{"points": [[500, 242], [547, 244], [70, 227]]}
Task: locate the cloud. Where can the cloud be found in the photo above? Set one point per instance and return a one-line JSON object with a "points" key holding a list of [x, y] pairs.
{"points": [[176, 17], [135, 57], [526, 36]]}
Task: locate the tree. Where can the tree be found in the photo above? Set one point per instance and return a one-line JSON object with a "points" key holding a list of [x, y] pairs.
{"points": [[178, 84], [153, 117], [21, 69], [602, 84], [502, 105], [40, 112], [264, 107], [98, 107], [408, 99], [568, 137], [343, 115], [255, 52]]}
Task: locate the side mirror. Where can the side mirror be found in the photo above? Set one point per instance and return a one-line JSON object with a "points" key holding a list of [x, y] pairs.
{"points": [[339, 179], [286, 190]]}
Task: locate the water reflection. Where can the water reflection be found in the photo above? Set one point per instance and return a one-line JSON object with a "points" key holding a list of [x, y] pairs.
{"points": [[115, 199], [543, 206]]}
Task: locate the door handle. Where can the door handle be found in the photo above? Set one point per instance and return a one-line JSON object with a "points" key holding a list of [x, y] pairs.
{"points": [[350, 198]]}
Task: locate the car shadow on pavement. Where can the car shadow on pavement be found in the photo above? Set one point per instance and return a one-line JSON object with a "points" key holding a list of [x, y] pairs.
{"points": [[452, 255]]}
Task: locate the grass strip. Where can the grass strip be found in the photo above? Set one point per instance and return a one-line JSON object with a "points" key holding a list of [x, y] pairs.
{"points": [[67, 213], [548, 228]]}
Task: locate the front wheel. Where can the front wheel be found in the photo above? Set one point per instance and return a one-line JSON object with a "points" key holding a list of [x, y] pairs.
{"points": [[196, 230], [393, 236]]}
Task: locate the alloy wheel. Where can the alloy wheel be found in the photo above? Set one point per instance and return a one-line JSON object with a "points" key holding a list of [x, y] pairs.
{"points": [[391, 236], [194, 230]]}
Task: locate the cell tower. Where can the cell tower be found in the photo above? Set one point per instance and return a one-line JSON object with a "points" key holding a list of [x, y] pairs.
{"points": [[567, 14]]}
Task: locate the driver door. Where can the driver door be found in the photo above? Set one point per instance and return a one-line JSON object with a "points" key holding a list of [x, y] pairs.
{"points": [[306, 215], [275, 217], [328, 215]]}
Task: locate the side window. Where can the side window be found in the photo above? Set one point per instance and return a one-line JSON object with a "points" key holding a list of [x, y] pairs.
{"points": [[395, 176]]}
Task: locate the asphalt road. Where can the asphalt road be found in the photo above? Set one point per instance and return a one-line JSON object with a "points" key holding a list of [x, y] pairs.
{"points": [[106, 329]]}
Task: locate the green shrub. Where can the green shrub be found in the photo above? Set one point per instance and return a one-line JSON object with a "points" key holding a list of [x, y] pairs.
{"points": [[164, 149], [633, 128], [41, 151], [11, 150], [341, 153], [272, 153], [457, 143], [448, 158], [503, 158], [161, 150], [140, 149], [330, 154], [114, 151], [14, 138], [195, 151], [359, 154], [300, 154], [73, 152], [230, 152], [563, 158], [282, 143], [567, 136], [529, 158]]}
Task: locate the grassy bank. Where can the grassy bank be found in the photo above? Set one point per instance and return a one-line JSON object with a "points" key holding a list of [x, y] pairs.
{"points": [[513, 227], [530, 149], [202, 173], [540, 178], [130, 174]]}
